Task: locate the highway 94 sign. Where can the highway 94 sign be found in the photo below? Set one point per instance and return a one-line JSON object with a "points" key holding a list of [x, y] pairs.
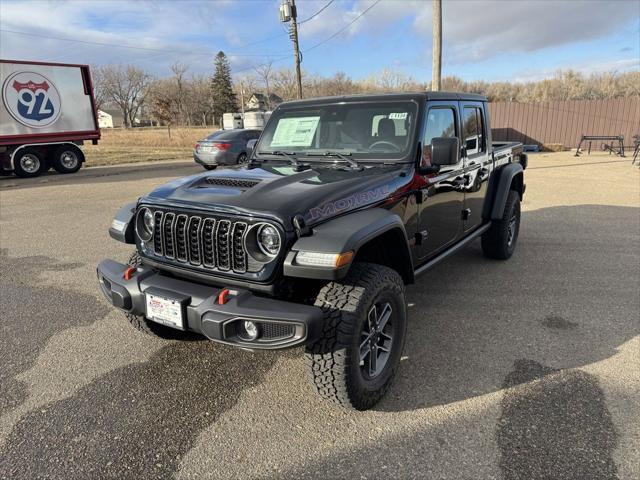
{"points": [[31, 99]]}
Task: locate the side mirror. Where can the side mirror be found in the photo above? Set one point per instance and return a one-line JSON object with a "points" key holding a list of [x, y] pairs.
{"points": [[445, 151], [251, 144]]}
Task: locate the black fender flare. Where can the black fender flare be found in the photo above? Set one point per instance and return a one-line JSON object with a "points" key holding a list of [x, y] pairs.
{"points": [[122, 227], [343, 234], [498, 189]]}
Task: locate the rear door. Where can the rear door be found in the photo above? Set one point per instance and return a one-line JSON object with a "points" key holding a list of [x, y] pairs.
{"points": [[440, 219], [477, 162]]}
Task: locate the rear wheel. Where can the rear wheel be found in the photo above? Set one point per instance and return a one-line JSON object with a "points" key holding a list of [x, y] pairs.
{"points": [[68, 159], [355, 360], [242, 159], [28, 163], [500, 240], [144, 325]]}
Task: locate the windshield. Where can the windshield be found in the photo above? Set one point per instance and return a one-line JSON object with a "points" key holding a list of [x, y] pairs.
{"points": [[372, 130]]}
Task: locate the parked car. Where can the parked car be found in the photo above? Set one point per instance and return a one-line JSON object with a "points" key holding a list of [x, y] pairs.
{"points": [[224, 147], [345, 201]]}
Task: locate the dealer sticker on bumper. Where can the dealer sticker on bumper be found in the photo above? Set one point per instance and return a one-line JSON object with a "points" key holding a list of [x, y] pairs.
{"points": [[165, 310]]}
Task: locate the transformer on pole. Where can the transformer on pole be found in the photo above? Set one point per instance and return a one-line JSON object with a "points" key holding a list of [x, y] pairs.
{"points": [[289, 14]]}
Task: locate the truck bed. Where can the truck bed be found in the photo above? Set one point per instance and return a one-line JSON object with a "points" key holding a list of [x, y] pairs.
{"points": [[503, 149]]}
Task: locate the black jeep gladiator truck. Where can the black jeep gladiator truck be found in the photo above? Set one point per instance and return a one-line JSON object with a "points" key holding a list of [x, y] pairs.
{"points": [[343, 202]]}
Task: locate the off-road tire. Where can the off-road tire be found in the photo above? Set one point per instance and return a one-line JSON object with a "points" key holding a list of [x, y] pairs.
{"points": [[334, 359], [58, 163], [496, 241], [23, 173], [140, 323]]}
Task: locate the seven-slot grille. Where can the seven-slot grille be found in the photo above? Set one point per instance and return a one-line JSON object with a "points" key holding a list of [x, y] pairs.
{"points": [[214, 243]]}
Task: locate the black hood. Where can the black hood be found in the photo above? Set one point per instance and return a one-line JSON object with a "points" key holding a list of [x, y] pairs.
{"points": [[278, 192]]}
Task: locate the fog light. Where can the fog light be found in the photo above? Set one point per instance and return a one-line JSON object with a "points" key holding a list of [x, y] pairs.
{"points": [[251, 330]]}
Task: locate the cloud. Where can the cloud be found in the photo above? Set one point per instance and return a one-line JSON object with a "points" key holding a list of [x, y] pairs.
{"points": [[480, 30], [475, 30], [193, 31], [157, 33]]}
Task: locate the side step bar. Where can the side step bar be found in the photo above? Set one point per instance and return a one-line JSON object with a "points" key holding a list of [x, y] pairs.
{"points": [[453, 249]]}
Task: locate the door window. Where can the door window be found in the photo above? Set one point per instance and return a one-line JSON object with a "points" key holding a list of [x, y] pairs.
{"points": [[441, 122], [473, 129]]}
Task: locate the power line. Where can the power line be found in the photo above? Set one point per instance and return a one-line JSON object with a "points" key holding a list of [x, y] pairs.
{"points": [[263, 40], [104, 44], [342, 29], [317, 13]]}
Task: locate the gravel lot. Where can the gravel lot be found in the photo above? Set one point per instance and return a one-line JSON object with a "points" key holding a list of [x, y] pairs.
{"points": [[527, 369]]}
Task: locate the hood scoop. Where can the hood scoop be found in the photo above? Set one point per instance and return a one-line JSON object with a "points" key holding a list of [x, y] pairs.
{"points": [[244, 183]]}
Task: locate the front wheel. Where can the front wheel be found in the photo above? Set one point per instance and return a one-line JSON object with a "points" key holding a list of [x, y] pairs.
{"points": [[354, 361], [210, 167]]}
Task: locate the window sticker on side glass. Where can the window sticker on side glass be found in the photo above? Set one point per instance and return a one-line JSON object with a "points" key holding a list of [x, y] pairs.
{"points": [[295, 132], [398, 116]]}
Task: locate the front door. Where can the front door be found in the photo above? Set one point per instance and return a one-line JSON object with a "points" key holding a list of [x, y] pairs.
{"points": [[477, 162], [442, 195]]}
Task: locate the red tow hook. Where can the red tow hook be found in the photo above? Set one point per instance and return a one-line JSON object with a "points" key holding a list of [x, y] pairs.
{"points": [[128, 273], [222, 296]]}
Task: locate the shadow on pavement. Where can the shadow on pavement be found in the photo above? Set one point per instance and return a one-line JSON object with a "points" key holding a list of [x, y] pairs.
{"points": [[33, 314], [137, 421], [554, 421], [565, 297]]}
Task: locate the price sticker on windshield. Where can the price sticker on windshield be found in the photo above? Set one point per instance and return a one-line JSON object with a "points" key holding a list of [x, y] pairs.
{"points": [[398, 116]]}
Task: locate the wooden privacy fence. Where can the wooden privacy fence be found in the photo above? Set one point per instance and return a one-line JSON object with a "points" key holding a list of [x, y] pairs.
{"points": [[564, 122]]}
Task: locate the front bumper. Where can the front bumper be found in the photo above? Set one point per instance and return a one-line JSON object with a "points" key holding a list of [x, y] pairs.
{"points": [[282, 324]]}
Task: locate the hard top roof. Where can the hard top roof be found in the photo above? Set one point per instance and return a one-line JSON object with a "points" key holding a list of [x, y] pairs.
{"points": [[389, 96]]}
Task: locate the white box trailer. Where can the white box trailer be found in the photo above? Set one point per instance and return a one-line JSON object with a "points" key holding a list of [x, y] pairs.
{"points": [[231, 121], [47, 112], [256, 120]]}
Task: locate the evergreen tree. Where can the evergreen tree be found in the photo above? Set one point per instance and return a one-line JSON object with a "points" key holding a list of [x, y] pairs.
{"points": [[222, 96]]}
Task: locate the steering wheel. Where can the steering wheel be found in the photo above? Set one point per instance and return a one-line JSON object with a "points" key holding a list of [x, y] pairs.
{"points": [[395, 147]]}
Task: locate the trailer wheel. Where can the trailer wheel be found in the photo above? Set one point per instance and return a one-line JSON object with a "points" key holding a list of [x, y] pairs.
{"points": [[68, 159], [28, 163]]}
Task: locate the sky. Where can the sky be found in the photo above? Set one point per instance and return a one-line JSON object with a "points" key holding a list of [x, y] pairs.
{"points": [[492, 40]]}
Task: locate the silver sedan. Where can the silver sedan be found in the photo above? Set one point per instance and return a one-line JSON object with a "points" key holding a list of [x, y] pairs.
{"points": [[224, 147]]}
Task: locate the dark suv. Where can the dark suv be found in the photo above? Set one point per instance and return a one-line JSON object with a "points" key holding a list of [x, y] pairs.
{"points": [[344, 201]]}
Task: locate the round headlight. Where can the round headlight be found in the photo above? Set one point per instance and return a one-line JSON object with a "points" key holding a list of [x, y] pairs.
{"points": [[268, 240], [145, 224], [148, 220]]}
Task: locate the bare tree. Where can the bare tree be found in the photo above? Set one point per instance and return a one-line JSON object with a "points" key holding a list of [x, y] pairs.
{"points": [[126, 87], [264, 74], [179, 70]]}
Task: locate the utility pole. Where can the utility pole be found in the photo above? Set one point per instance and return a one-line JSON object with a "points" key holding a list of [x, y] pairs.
{"points": [[288, 13], [437, 45]]}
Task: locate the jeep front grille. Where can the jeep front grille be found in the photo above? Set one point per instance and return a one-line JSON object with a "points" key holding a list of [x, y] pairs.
{"points": [[212, 243]]}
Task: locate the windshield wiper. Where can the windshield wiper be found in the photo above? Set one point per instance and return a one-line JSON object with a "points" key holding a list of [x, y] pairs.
{"points": [[289, 156], [342, 156]]}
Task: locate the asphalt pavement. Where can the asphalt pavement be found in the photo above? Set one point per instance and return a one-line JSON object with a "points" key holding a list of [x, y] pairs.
{"points": [[525, 369]]}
